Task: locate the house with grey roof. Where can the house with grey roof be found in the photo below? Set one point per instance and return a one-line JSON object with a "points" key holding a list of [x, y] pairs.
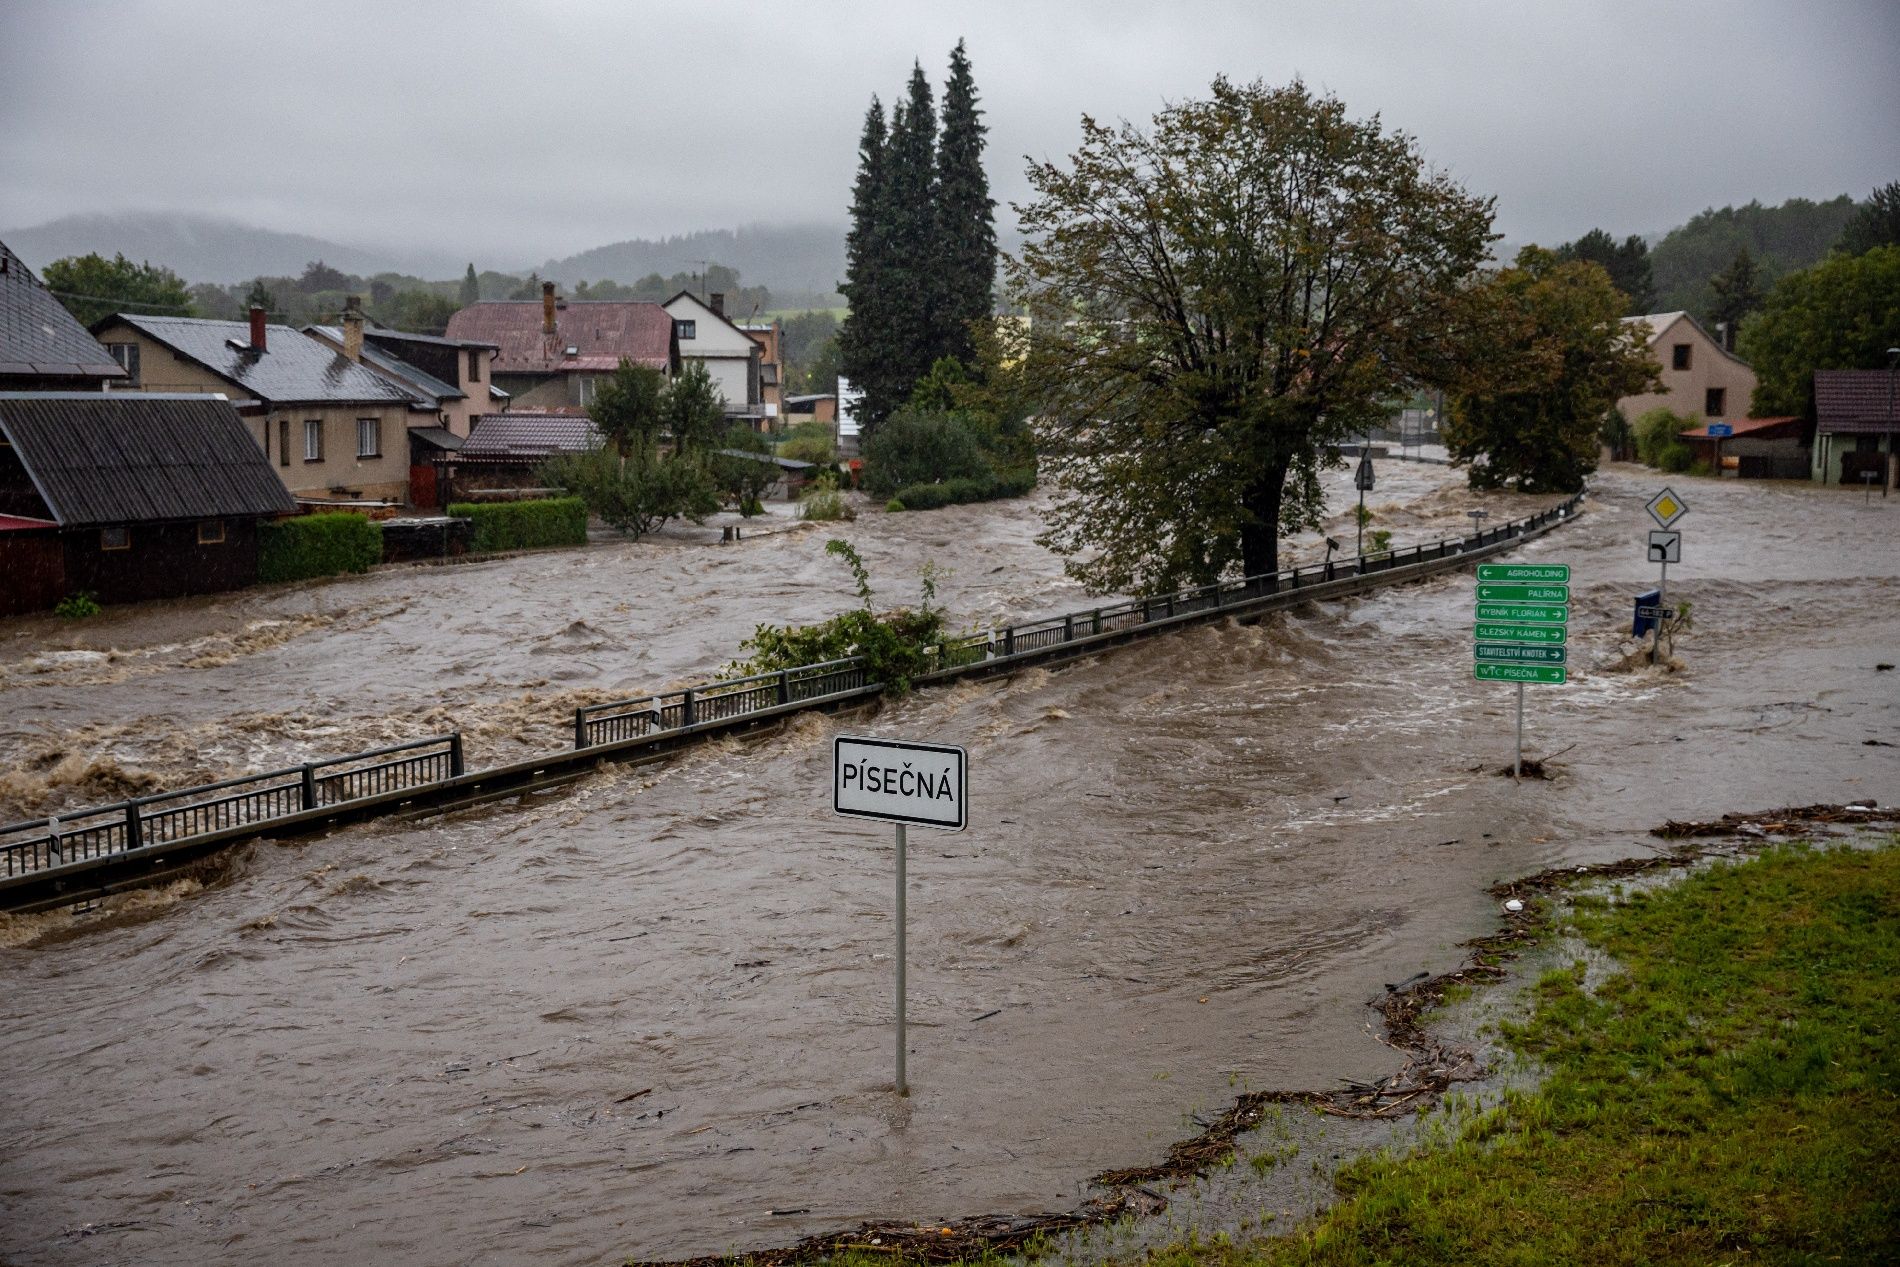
{"points": [[1856, 423], [128, 495], [43, 348], [334, 430]]}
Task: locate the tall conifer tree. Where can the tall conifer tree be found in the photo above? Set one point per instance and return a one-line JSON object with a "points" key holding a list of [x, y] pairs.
{"points": [[966, 227], [915, 258], [864, 338]]}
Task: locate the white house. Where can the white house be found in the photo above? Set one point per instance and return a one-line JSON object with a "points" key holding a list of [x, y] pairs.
{"points": [[730, 355]]}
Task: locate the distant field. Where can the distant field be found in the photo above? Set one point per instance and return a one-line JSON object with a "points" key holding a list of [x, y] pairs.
{"points": [[782, 313]]}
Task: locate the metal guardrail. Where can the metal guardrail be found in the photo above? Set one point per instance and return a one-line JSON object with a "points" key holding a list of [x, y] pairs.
{"points": [[71, 856], [649, 716], [253, 799]]}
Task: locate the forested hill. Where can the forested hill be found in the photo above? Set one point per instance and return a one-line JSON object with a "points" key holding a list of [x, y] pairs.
{"points": [[1782, 239], [805, 259]]}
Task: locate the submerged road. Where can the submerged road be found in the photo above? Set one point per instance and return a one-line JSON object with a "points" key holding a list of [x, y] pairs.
{"points": [[636, 1016]]}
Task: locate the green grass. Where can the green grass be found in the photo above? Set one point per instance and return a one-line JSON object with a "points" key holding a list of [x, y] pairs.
{"points": [[1727, 1096]]}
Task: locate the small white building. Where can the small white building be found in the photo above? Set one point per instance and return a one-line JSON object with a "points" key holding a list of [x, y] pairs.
{"points": [[730, 355]]}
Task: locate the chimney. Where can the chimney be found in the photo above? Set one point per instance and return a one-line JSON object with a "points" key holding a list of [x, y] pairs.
{"points": [[353, 327], [257, 329], [717, 302], [547, 309]]}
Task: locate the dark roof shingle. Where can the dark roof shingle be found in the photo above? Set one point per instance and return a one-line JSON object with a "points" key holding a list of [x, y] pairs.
{"points": [[529, 436], [293, 368], [1855, 400], [135, 457], [600, 331], [38, 337]]}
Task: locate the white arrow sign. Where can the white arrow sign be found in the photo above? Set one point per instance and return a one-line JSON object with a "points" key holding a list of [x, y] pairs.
{"points": [[1665, 546]]}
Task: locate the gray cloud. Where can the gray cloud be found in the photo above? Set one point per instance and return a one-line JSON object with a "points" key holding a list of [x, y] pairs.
{"points": [[523, 130]]}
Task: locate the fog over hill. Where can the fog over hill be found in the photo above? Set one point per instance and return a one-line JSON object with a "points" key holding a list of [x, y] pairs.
{"points": [[805, 258], [208, 249]]}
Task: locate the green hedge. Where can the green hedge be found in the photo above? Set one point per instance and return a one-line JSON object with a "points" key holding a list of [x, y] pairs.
{"points": [[317, 545], [956, 492], [559, 521]]}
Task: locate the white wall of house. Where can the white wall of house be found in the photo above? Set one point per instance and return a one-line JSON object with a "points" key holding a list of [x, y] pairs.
{"points": [[1696, 373], [730, 355]]}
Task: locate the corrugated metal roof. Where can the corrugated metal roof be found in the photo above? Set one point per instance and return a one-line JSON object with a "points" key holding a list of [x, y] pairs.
{"points": [[1861, 400], [600, 331], [135, 457], [293, 369], [38, 337], [529, 436], [440, 437]]}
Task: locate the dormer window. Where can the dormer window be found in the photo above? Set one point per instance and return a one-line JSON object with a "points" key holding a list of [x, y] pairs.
{"points": [[571, 350]]}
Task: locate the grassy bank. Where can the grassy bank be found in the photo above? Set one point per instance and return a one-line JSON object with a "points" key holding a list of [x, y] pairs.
{"points": [[1726, 1094]]}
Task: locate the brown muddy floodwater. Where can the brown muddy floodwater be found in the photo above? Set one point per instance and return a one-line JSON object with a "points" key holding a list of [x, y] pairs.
{"points": [[636, 1016]]}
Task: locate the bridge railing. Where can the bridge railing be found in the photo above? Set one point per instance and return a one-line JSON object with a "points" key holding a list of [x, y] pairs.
{"points": [[256, 799], [209, 808]]}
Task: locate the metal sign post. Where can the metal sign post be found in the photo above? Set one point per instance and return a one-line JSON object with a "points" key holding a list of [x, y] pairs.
{"points": [[903, 784], [1363, 479], [1665, 508], [1522, 611]]}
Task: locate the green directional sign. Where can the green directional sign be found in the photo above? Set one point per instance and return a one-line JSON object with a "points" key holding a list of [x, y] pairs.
{"points": [[1548, 674], [1557, 572], [1534, 593], [1541, 634], [1524, 612], [1512, 653]]}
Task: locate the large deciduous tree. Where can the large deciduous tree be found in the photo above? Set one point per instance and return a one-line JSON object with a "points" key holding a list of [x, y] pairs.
{"points": [[1213, 302], [93, 287], [1553, 356], [1844, 313]]}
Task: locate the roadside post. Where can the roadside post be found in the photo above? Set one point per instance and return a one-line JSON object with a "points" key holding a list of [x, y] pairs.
{"points": [[1665, 508], [1523, 616], [905, 784], [1362, 479]]}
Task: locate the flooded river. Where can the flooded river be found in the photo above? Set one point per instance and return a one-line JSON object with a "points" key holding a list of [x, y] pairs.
{"points": [[639, 1015]]}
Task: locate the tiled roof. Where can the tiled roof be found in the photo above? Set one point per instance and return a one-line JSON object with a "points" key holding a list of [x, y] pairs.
{"points": [[600, 331], [1659, 322], [1861, 399], [293, 368], [529, 436], [136, 457], [1741, 427], [38, 337]]}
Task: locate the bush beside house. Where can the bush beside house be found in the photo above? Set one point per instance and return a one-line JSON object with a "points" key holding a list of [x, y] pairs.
{"points": [[317, 545], [559, 521]]}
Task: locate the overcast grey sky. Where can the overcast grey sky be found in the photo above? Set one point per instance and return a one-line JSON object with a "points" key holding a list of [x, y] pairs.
{"points": [[529, 129]]}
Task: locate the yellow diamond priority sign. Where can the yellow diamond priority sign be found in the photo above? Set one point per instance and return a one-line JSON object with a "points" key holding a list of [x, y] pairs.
{"points": [[1665, 507]]}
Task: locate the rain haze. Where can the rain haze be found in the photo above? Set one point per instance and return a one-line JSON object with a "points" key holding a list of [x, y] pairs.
{"points": [[514, 132]]}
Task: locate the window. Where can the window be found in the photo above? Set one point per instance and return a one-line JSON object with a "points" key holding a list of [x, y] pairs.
{"points": [[211, 532], [115, 538], [686, 329], [283, 442], [369, 437], [474, 366], [127, 355], [313, 440], [1713, 401], [1680, 359]]}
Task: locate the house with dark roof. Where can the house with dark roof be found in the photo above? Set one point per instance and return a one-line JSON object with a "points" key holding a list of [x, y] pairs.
{"points": [[1856, 420], [733, 358], [43, 348], [558, 352], [333, 430], [506, 450], [127, 496]]}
